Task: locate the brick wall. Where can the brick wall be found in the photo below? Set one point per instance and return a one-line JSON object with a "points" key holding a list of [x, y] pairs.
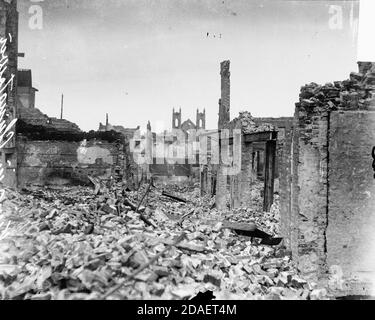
{"points": [[310, 196], [327, 205]]}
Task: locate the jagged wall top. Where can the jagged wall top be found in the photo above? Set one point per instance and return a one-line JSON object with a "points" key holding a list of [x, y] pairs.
{"points": [[246, 123], [356, 93]]}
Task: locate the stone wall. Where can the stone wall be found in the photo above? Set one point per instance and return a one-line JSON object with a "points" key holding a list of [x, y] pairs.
{"points": [[56, 152], [65, 162]]}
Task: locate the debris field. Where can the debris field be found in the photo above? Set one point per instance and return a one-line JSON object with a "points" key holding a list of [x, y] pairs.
{"points": [[158, 242]]}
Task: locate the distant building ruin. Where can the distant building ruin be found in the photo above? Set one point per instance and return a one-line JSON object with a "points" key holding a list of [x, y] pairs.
{"points": [[200, 122], [261, 154]]}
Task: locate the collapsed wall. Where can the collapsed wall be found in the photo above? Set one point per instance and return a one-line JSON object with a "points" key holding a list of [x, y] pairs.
{"points": [[56, 152], [132, 171], [327, 214]]}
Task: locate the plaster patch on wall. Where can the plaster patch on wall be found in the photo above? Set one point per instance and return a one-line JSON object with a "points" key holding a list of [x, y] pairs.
{"points": [[89, 155]]}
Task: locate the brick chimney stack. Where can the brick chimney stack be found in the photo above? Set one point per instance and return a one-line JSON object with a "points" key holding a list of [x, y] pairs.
{"points": [[224, 103]]}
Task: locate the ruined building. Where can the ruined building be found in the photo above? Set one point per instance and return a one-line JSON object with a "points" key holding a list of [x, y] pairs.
{"points": [[200, 122], [46, 150], [327, 213], [256, 154], [323, 160], [177, 161], [132, 172], [9, 49]]}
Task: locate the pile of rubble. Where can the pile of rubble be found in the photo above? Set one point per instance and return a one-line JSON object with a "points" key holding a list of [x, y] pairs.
{"points": [[245, 122], [352, 94], [154, 243]]}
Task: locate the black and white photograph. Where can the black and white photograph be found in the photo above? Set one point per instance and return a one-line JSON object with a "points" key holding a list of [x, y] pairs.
{"points": [[200, 151]]}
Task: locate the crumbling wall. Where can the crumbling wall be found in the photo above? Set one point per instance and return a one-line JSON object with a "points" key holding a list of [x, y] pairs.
{"points": [[133, 171], [239, 181], [56, 151], [327, 214], [65, 162], [34, 117], [309, 199]]}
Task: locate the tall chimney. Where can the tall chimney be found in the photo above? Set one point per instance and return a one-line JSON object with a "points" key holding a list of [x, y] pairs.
{"points": [[224, 104]]}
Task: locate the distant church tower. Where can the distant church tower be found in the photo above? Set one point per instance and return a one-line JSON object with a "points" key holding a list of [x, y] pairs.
{"points": [[176, 120], [201, 119]]}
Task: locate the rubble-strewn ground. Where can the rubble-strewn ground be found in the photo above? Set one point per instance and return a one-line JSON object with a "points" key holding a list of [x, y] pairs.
{"points": [[69, 243]]}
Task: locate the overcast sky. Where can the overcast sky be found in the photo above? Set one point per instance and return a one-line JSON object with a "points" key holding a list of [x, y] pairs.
{"points": [[138, 59]]}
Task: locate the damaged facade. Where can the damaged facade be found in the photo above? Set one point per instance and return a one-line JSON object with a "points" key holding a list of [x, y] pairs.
{"points": [[129, 170], [327, 213], [261, 153], [46, 150], [56, 152]]}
